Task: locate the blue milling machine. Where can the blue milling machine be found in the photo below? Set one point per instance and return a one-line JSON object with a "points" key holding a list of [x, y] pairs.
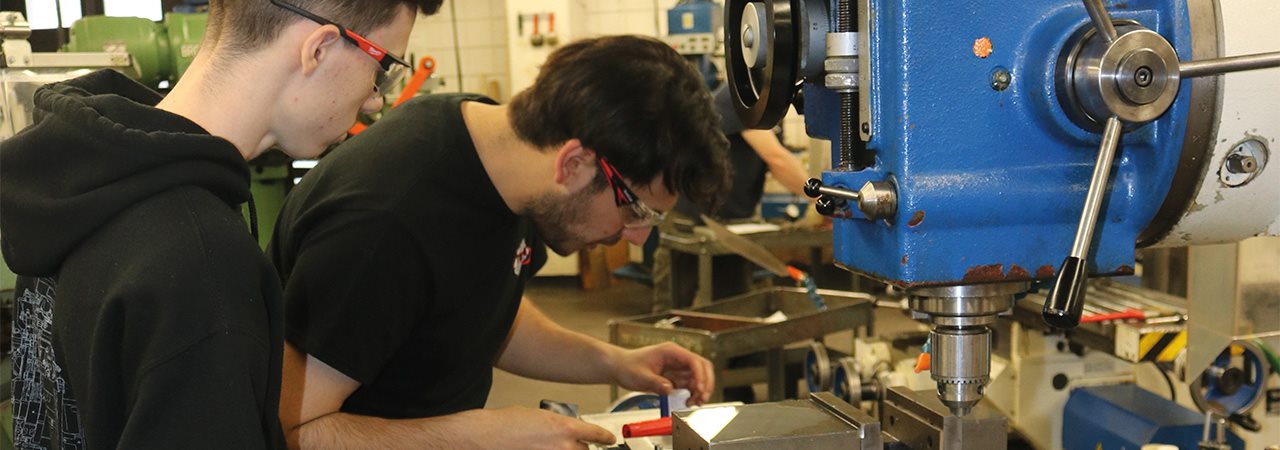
{"points": [[984, 150]]}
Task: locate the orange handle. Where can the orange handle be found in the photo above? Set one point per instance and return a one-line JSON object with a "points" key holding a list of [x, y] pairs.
{"points": [[426, 67], [796, 274], [923, 363], [1126, 314], [656, 427]]}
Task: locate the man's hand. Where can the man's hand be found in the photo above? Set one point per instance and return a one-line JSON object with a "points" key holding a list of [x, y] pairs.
{"points": [[663, 367], [517, 427]]}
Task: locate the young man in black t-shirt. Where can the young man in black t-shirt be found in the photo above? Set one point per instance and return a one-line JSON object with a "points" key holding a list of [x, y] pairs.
{"points": [[147, 315], [406, 251]]}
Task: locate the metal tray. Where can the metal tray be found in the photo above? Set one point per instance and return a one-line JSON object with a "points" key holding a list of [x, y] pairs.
{"points": [[738, 326]]}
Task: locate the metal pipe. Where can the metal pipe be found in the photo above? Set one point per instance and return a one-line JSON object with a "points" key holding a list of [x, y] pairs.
{"points": [[1101, 20], [1217, 66]]}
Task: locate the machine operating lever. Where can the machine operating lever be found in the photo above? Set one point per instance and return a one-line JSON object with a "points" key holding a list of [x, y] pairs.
{"points": [[1217, 66], [1066, 297], [1063, 307], [1101, 20], [814, 188]]}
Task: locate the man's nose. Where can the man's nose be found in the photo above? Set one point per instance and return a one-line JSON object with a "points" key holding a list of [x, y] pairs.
{"points": [[373, 104]]}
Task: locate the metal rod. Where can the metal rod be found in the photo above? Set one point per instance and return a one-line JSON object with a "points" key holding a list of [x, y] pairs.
{"points": [[847, 133], [1216, 66], [844, 16], [844, 24], [840, 193], [1097, 188], [1101, 20]]}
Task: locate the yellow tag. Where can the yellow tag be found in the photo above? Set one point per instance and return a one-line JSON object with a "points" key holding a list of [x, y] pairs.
{"points": [[686, 21]]}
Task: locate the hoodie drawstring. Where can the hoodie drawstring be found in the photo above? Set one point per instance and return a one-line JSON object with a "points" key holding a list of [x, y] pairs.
{"points": [[253, 218]]}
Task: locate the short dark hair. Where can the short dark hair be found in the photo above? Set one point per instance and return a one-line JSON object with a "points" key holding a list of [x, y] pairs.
{"points": [[242, 26], [635, 101]]}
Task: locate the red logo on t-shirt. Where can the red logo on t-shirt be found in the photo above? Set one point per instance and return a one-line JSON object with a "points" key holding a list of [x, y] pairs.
{"points": [[524, 256]]}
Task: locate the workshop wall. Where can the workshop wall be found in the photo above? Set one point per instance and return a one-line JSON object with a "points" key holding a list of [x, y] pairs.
{"points": [[646, 18], [481, 46], [490, 42]]}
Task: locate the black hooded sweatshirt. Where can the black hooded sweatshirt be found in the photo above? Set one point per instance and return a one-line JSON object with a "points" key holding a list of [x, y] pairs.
{"points": [[146, 315]]}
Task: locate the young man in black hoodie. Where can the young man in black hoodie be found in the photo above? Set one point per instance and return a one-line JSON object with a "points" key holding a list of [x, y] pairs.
{"points": [[406, 251], [146, 315]]}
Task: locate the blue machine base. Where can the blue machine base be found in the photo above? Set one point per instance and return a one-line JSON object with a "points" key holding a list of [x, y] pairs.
{"points": [[1127, 417]]}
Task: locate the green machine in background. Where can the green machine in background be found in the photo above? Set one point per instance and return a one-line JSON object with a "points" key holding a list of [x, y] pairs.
{"points": [[161, 52]]}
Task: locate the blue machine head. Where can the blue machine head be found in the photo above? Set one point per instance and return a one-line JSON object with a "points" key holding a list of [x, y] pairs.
{"points": [[989, 168], [975, 144], [978, 142]]}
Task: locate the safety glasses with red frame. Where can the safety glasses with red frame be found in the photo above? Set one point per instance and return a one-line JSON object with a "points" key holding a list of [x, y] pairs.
{"points": [[393, 68], [635, 214]]}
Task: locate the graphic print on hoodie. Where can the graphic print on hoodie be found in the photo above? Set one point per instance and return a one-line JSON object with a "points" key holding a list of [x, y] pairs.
{"points": [[147, 315]]}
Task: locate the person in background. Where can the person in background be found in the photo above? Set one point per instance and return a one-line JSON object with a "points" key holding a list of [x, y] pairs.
{"points": [[406, 251], [752, 154], [147, 316]]}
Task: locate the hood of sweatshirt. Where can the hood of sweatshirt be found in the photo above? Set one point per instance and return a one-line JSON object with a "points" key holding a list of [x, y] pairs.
{"points": [[97, 147]]}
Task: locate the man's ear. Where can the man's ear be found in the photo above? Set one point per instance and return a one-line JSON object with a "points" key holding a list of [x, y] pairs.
{"points": [[575, 165], [319, 44]]}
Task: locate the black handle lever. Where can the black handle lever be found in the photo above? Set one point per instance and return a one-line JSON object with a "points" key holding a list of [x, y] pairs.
{"points": [[830, 206], [1066, 298], [812, 187]]}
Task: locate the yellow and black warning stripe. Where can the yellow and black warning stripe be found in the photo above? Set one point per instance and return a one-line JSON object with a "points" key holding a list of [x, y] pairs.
{"points": [[1161, 347]]}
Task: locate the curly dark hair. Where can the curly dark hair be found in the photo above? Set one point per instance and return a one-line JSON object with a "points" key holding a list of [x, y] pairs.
{"points": [[242, 26], [635, 101]]}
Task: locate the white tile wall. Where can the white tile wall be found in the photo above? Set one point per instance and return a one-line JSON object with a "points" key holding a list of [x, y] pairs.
{"points": [[644, 17], [481, 51]]}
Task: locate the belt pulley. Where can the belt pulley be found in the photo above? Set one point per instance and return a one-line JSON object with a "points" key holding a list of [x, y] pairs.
{"points": [[761, 46]]}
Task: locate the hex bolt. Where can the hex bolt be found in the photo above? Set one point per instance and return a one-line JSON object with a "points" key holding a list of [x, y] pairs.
{"points": [[1142, 76], [1000, 79], [1238, 163]]}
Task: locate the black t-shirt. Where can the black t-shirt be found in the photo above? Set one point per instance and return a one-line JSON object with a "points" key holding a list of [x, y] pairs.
{"points": [[403, 266], [748, 169]]}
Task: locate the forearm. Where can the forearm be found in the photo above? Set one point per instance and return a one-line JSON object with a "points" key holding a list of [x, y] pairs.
{"points": [[784, 166], [351, 431], [539, 348], [789, 173]]}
